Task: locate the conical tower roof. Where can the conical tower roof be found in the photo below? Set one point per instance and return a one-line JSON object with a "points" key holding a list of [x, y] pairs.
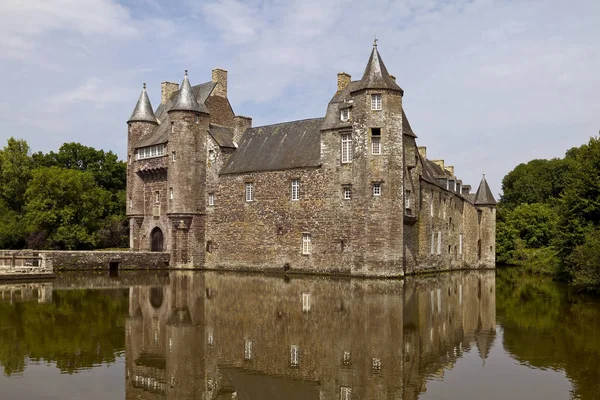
{"points": [[484, 196], [143, 110], [376, 75], [185, 100]]}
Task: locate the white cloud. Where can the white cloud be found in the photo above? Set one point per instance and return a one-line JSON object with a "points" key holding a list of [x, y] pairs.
{"points": [[94, 91]]}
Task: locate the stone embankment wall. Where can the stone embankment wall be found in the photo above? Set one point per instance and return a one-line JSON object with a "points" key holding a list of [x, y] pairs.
{"points": [[95, 260]]}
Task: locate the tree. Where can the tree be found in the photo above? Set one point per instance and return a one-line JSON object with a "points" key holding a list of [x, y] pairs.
{"points": [[15, 172], [67, 206]]}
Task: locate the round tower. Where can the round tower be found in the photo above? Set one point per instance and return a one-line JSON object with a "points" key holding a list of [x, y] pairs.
{"points": [[140, 125]]}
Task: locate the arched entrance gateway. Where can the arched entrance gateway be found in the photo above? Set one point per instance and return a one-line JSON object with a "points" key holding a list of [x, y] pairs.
{"points": [[156, 240]]}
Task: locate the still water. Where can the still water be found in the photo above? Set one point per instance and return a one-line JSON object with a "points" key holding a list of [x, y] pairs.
{"points": [[192, 335]]}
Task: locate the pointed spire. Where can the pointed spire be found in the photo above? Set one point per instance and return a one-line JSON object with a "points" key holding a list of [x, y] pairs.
{"points": [[143, 110], [376, 75], [484, 196], [185, 99]]}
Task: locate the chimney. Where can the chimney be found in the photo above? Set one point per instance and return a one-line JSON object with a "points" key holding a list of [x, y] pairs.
{"points": [[466, 189], [343, 80], [167, 90], [241, 123], [422, 151], [439, 163], [393, 77], [219, 76], [450, 169]]}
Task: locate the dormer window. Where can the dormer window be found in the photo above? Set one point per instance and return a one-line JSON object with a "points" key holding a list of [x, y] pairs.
{"points": [[150, 151], [376, 102], [345, 114]]}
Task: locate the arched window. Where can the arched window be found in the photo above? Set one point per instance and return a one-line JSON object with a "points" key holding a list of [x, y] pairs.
{"points": [[156, 238]]}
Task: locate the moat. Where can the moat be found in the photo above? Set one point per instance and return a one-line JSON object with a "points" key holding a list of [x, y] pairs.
{"points": [[207, 335]]}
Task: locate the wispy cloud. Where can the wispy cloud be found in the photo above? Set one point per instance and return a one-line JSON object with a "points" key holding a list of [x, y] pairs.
{"points": [[95, 92]]}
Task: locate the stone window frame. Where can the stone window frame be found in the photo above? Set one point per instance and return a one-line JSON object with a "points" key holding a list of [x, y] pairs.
{"points": [[294, 355], [306, 243], [248, 350], [295, 189], [173, 156], [306, 302], [345, 393], [376, 102], [171, 194], [249, 191], [153, 151], [347, 192], [211, 199], [377, 189], [376, 141], [407, 199], [157, 197], [346, 147], [345, 114]]}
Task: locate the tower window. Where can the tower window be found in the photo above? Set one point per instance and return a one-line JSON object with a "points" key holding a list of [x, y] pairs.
{"points": [[305, 302], [346, 148], [294, 355], [306, 243], [157, 196], [439, 243], [345, 114], [376, 102], [211, 155], [377, 189], [172, 127], [171, 193], [296, 189], [345, 393], [407, 199], [376, 141], [173, 156], [347, 192], [249, 191], [150, 151], [248, 350], [211, 199]]}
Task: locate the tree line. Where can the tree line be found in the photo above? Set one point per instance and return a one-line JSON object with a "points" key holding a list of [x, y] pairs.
{"points": [[549, 217], [73, 199]]}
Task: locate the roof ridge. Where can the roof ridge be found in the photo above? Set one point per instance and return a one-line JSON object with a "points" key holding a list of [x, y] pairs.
{"points": [[287, 122]]}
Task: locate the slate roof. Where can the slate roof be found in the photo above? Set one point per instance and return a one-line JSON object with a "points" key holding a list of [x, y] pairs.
{"points": [[376, 75], [406, 128], [185, 100], [484, 196], [161, 133], [143, 110], [222, 135], [283, 146]]}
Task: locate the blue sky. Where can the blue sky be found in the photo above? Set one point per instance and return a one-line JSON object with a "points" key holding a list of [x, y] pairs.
{"points": [[488, 84]]}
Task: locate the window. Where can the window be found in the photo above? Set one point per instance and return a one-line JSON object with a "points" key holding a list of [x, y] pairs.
{"points": [[376, 141], [130, 203], [345, 393], [248, 350], [377, 189], [295, 189], [431, 205], [439, 243], [306, 243], [345, 114], [305, 302], [173, 156], [211, 155], [211, 199], [432, 242], [249, 191], [294, 355], [376, 102], [347, 360], [346, 148], [157, 196], [171, 193], [150, 151], [209, 246], [347, 192], [460, 244], [197, 119], [172, 127], [407, 199], [376, 364]]}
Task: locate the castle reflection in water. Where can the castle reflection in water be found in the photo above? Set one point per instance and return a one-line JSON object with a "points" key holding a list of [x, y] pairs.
{"points": [[229, 336]]}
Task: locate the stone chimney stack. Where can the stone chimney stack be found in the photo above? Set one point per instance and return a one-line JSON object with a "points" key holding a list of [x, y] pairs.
{"points": [[439, 163], [343, 80], [422, 152], [219, 76], [167, 90], [466, 189], [393, 77], [241, 123], [450, 169]]}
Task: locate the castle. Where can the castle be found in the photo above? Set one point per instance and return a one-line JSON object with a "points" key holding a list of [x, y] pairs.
{"points": [[349, 193]]}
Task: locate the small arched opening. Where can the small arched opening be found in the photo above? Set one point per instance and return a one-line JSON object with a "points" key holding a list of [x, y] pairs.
{"points": [[156, 297], [156, 240]]}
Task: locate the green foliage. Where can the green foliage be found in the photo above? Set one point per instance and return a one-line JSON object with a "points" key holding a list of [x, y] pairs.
{"points": [[585, 263], [15, 172]]}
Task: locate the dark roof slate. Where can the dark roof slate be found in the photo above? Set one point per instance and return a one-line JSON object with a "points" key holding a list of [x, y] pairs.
{"points": [[484, 196], [185, 100], [276, 147], [222, 135], [376, 75], [406, 128], [161, 133], [143, 109]]}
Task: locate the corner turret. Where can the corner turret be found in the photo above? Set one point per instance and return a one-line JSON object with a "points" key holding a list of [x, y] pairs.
{"points": [[186, 101], [484, 196], [376, 75], [143, 110]]}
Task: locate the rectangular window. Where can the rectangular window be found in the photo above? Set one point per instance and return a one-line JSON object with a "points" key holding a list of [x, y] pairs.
{"points": [[432, 242], [377, 189], [296, 189], [171, 193], [345, 114], [376, 102], [294, 355], [376, 141], [150, 151], [439, 243], [306, 243], [460, 244], [249, 191], [211, 155], [305, 302], [347, 192], [345, 393], [157, 196], [211, 199], [407, 199], [431, 205], [172, 127], [346, 148], [248, 350], [173, 156]]}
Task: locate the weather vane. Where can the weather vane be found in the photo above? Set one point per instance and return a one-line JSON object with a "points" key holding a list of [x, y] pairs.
{"points": [[375, 41]]}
